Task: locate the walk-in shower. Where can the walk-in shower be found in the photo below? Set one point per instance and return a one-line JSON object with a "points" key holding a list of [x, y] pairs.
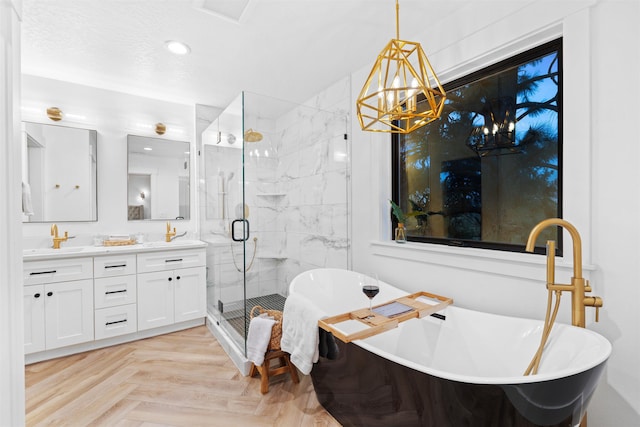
{"points": [[274, 182]]}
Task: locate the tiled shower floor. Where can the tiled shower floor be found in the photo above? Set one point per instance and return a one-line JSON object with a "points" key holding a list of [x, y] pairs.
{"points": [[237, 320]]}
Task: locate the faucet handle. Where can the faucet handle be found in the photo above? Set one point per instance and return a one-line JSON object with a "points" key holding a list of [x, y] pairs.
{"points": [[595, 302], [587, 286]]}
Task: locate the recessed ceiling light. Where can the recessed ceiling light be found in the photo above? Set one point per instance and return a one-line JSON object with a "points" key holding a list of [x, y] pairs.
{"points": [[148, 148], [176, 47]]}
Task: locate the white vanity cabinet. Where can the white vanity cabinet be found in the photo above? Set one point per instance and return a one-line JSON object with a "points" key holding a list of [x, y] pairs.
{"points": [[171, 287], [115, 295], [58, 303], [108, 296]]}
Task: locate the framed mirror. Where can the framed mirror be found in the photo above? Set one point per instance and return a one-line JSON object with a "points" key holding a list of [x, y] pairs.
{"points": [[59, 178], [158, 174]]}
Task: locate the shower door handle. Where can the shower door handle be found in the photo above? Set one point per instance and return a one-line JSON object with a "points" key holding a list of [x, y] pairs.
{"points": [[246, 230]]}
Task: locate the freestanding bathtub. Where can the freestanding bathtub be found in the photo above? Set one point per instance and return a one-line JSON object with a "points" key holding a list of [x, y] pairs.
{"points": [[461, 368]]}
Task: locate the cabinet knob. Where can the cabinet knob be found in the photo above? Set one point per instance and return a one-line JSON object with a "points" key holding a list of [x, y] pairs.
{"points": [[170, 279], [49, 293], [37, 295], [178, 278]]}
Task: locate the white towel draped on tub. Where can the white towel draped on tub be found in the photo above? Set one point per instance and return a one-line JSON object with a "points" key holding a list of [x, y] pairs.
{"points": [[300, 331], [258, 337], [27, 206]]}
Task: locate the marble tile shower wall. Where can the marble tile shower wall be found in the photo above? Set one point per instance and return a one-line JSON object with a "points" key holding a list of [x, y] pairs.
{"points": [[314, 173]]}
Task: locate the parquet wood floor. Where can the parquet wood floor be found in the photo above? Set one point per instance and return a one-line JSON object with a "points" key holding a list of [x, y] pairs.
{"points": [[179, 379]]}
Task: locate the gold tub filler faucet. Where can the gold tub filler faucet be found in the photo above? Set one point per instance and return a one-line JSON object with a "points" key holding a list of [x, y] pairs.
{"points": [[578, 287], [170, 233], [57, 239]]}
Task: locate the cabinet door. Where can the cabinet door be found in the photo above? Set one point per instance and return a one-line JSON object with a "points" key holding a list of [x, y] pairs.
{"points": [[34, 338], [190, 293], [155, 299], [68, 313]]}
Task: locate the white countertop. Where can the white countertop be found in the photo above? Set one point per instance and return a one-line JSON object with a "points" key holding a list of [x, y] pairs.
{"points": [[39, 254]]}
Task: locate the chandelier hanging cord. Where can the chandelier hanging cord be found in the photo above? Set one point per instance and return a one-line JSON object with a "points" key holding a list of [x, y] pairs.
{"points": [[397, 20]]}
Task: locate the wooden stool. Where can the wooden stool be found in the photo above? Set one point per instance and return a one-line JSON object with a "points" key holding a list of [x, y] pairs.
{"points": [[266, 370]]}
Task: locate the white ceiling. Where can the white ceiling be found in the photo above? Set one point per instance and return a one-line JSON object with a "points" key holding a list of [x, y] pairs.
{"points": [[285, 49]]}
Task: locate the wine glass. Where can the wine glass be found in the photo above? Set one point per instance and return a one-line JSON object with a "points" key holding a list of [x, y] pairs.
{"points": [[370, 288]]}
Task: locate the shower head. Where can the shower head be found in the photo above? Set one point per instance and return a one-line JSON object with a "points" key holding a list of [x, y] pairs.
{"points": [[252, 136]]}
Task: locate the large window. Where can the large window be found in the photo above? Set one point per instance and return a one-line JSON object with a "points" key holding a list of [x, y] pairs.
{"points": [[490, 168]]}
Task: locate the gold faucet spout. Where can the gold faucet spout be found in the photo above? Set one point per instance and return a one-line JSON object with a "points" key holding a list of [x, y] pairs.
{"points": [[575, 237], [170, 233], [57, 239], [578, 285]]}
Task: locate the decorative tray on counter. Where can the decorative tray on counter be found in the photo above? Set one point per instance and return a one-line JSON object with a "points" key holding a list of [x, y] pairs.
{"points": [[386, 316], [118, 242]]}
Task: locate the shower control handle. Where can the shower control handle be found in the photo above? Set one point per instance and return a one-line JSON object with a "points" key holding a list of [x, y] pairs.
{"points": [[245, 229]]}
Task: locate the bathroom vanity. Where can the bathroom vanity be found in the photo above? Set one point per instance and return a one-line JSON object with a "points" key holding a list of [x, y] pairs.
{"points": [[82, 298]]}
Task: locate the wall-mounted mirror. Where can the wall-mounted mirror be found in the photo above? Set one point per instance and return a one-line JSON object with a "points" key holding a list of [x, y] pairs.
{"points": [[59, 173], [158, 178]]}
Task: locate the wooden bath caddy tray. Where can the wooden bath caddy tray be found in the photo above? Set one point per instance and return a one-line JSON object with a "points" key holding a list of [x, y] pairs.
{"points": [[379, 323]]}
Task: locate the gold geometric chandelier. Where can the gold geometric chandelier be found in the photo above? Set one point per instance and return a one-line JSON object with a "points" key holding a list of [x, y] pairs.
{"points": [[401, 78]]}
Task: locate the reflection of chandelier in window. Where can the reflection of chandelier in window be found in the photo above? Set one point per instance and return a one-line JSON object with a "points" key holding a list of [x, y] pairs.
{"points": [[497, 136]]}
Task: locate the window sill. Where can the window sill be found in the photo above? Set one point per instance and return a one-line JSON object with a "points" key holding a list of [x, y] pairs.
{"points": [[512, 264]]}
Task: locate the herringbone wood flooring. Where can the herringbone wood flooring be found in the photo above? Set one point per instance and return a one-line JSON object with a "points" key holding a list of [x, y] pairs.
{"points": [[179, 379]]}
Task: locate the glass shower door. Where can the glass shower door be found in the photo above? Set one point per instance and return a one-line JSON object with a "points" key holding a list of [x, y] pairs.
{"points": [[224, 224]]}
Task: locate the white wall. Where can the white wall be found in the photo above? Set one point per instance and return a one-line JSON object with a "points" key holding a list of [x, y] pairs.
{"points": [[11, 318], [601, 68], [114, 115]]}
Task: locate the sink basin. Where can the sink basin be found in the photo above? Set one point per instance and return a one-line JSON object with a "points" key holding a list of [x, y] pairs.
{"points": [[174, 244], [46, 251]]}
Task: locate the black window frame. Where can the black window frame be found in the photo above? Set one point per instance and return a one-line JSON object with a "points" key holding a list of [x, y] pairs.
{"points": [[516, 60]]}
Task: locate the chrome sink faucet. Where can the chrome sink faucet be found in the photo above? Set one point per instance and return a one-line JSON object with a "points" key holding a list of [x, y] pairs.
{"points": [[579, 286]]}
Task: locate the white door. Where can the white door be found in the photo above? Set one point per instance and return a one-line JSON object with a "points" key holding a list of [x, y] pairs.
{"points": [[155, 299], [34, 338], [68, 313], [190, 293]]}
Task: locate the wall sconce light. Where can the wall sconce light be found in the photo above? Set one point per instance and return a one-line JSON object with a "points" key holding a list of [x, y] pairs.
{"points": [[54, 113], [142, 195], [160, 128], [401, 78]]}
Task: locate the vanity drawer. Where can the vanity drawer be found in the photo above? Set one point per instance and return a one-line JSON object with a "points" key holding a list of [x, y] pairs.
{"points": [[170, 260], [60, 270], [114, 321], [114, 265], [113, 291]]}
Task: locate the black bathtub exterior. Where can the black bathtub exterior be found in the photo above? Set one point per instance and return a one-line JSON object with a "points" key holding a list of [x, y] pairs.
{"points": [[359, 388]]}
